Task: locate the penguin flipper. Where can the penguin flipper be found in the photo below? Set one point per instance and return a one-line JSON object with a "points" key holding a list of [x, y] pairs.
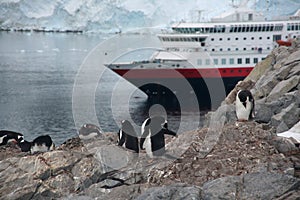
{"points": [[143, 137]]}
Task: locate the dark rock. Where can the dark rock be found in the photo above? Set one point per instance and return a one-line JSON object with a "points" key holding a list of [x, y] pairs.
{"points": [[283, 87], [283, 145], [286, 118], [171, 192], [251, 186], [222, 188], [263, 112]]}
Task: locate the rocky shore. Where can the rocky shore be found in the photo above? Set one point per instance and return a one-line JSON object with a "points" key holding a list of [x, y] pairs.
{"points": [[224, 160]]}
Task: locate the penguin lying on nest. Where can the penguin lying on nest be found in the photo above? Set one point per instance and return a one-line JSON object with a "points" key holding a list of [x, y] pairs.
{"points": [[40, 144], [244, 105], [153, 139], [7, 137], [89, 131]]}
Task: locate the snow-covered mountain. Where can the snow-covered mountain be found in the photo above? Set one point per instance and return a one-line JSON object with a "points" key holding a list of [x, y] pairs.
{"points": [[115, 15]]}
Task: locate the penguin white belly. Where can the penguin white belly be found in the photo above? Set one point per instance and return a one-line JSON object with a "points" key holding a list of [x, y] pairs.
{"points": [[147, 145], [39, 148], [243, 112]]}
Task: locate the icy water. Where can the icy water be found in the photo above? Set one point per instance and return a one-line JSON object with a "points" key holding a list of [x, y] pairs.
{"points": [[37, 76]]}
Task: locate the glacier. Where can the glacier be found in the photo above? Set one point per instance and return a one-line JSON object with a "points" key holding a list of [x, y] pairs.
{"points": [[110, 16]]}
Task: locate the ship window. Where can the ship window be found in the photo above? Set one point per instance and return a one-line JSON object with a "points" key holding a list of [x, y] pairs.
{"points": [[263, 28], [221, 49], [236, 38], [250, 17], [228, 49], [223, 61], [228, 39], [199, 62], [268, 28], [177, 65], [251, 29], [236, 49], [268, 38], [278, 27], [215, 61], [252, 38], [207, 61], [259, 28], [231, 61], [245, 38], [239, 61], [221, 39], [245, 49], [247, 60], [276, 37], [213, 50], [260, 38], [255, 60], [239, 29], [212, 39], [255, 28], [248, 28]]}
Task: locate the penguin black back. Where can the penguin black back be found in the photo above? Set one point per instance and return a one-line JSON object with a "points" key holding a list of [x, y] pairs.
{"points": [[127, 137]]}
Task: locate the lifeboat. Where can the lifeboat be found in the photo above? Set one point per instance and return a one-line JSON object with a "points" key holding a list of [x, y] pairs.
{"points": [[284, 43]]}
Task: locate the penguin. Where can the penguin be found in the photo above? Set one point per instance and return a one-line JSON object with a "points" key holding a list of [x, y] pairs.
{"points": [[127, 137], [7, 137], [244, 105], [25, 145], [153, 139], [41, 144], [89, 131]]}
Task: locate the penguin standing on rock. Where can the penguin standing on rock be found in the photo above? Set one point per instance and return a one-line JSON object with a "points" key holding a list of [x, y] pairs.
{"points": [[127, 137], [7, 137], [153, 139], [244, 105]]}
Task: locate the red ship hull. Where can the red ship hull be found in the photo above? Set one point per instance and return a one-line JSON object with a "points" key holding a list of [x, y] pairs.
{"points": [[210, 85]]}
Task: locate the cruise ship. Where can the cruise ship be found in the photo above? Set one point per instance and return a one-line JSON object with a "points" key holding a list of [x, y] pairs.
{"points": [[207, 59]]}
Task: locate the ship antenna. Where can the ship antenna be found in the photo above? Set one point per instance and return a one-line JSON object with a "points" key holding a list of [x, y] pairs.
{"points": [[199, 15]]}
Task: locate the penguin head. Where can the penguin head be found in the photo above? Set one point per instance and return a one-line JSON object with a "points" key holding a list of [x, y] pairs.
{"points": [[244, 97], [25, 145]]}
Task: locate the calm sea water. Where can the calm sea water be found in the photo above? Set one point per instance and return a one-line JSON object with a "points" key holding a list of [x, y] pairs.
{"points": [[37, 76]]}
